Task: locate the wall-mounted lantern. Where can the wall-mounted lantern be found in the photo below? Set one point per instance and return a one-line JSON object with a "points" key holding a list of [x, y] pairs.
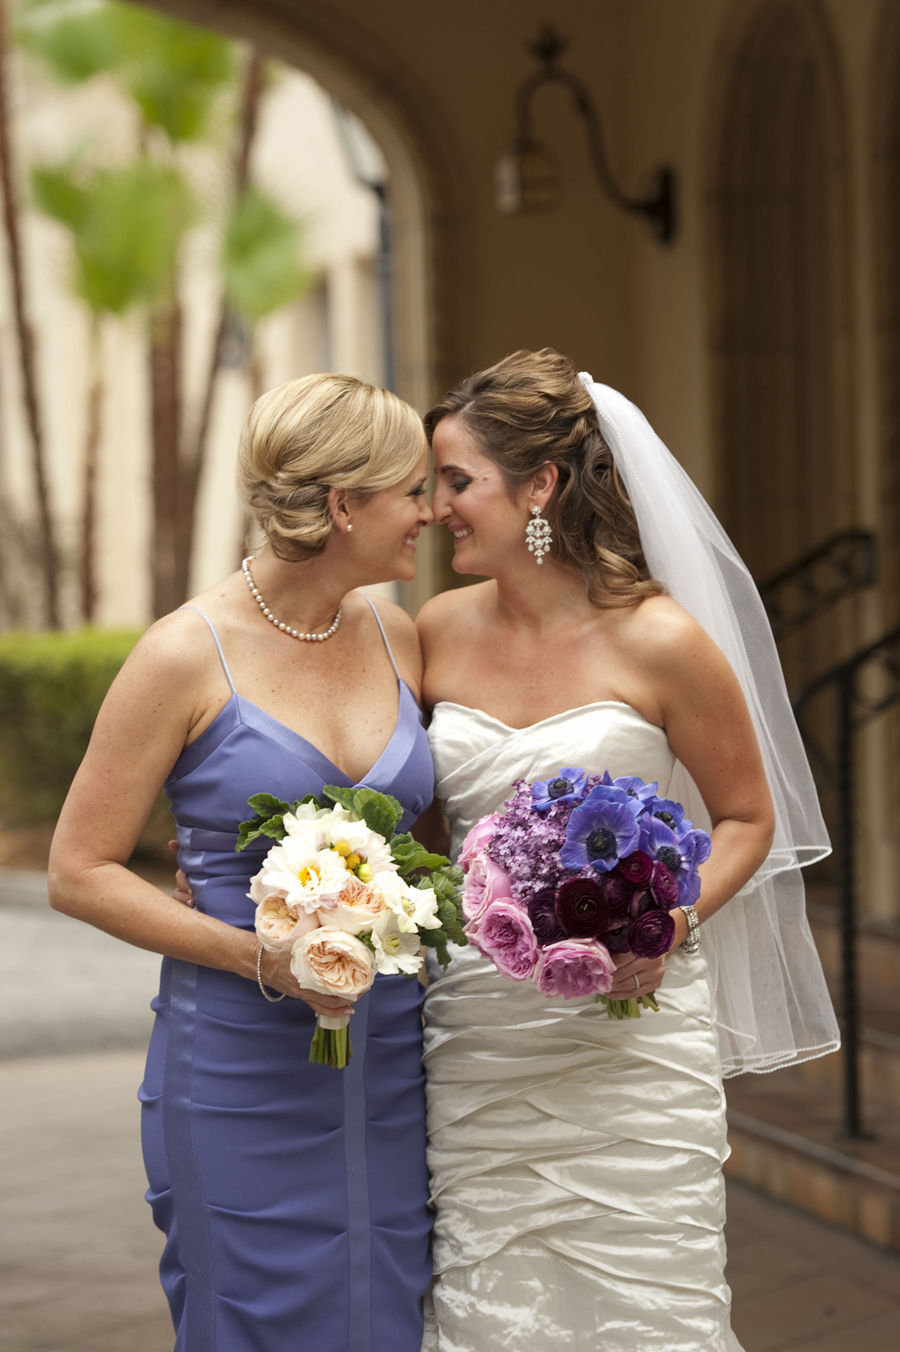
{"points": [[528, 179]]}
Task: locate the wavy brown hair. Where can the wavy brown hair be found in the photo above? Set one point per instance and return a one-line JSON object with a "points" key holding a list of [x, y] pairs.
{"points": [[530, 410]]}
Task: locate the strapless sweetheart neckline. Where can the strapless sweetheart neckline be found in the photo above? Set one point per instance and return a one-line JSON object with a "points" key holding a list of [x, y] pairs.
{"points": [[540, 722]]}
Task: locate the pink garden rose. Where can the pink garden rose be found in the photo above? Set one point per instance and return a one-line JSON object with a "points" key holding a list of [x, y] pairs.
{"points": [[484, 883], [478, 839], [278, 925], [333, 962], [573, 968], [503, 933]]}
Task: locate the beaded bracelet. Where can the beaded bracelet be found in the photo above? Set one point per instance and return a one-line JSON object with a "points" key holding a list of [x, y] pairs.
{"points": [[692, 942], [272, 999]]}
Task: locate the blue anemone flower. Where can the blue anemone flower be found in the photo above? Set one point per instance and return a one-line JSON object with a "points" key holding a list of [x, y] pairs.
{"points": [[602, 830], [669, 812], [681, 855], [567, 786], [633, 785]]}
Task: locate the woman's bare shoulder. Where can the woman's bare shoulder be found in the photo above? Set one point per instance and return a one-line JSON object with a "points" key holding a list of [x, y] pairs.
{"points": [[177, 648], [662, 635], [459, 605]]}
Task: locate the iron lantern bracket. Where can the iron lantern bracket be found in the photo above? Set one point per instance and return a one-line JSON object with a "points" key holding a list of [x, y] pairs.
{"points": [[658, 207]]}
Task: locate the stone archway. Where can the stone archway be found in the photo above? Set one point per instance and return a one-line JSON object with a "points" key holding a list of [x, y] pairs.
{"points": [[358, 70], [781, 312]]}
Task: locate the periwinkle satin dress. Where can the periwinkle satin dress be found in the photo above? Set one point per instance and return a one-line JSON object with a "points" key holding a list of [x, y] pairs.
{"points": [[576, 1161], [293, 1196]]}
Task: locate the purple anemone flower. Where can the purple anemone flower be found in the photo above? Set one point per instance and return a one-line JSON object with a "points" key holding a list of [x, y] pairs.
{"points": [[680, 856], [568, 786], [603, 829], [669, 812]]}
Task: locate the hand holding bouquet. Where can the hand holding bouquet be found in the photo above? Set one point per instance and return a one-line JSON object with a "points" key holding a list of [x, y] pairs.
{"points": [[349, 897], [579, 868]]}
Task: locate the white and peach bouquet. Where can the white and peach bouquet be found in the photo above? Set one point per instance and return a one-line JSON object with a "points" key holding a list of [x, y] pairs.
{"points": [[349, 896]]}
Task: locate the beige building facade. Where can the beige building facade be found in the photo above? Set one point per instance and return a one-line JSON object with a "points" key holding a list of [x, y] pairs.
{"points": [[762, 343]]}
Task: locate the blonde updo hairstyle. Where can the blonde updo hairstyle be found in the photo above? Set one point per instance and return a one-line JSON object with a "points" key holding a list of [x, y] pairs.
{"points": [[313, 434], [529, 410]]}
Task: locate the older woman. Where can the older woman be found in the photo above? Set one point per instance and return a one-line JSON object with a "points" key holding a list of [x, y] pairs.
{"points": [[293, 1198]]}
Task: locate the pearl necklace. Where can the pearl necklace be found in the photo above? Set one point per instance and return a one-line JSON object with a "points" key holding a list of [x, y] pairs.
{"points": [[285, 628]]}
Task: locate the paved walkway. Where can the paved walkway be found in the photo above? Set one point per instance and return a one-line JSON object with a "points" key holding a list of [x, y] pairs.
{"points": [[78, 1254], [78, 1251]]}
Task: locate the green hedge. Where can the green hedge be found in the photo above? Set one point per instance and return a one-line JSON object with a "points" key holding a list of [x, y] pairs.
{"points": [[51, 687]]}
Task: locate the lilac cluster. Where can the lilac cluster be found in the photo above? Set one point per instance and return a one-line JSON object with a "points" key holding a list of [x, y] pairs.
{"points": [[527, 845]]}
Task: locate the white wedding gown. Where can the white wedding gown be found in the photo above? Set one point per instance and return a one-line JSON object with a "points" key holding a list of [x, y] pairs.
{"points": [[576, 1161]]}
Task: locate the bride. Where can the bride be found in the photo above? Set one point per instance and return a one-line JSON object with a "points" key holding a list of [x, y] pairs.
{"points": [[576, 1161]]}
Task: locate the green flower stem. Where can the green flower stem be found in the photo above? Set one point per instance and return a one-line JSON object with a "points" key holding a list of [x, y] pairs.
{"points": [[628, 1009], [331, 1047]]}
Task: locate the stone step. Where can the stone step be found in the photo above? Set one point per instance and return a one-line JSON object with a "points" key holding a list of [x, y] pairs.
{"points": [[785, 1132], [877, 954], [879, 1070]]}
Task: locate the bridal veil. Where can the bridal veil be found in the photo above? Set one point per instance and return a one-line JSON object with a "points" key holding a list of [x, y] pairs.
{"points": [[772, 1004]]}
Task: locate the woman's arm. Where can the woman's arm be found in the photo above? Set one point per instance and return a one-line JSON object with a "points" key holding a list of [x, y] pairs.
{"points": [[146, 719], [709, 729]]}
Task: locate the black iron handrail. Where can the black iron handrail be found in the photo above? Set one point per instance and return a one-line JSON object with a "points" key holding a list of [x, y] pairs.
{"points": [[812, 584], [855, 706]]}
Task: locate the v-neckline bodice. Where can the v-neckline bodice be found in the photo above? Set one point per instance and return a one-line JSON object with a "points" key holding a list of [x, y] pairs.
{"points": [[313, 755]]}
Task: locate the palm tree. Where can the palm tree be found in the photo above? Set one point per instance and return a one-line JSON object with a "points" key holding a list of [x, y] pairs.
{"points": [[49, 553], [179, 77], [125, 225]]}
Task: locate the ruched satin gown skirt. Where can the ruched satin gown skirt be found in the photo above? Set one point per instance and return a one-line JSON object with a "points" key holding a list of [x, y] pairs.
{"points": [[576, 1168]]}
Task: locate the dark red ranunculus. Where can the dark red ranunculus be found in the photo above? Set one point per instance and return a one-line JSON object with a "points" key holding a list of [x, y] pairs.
{"points": [[582, 909], [616, 939], [664, 885], [616, 892], [544, 920], [651, 934], [637, 867], [642, 899]]}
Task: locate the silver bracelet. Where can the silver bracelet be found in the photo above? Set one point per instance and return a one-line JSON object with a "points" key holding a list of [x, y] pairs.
{"points": [[692, 942], [272, 999]]}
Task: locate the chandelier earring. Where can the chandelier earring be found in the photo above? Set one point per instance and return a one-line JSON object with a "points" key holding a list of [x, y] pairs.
{"points": [[538, 534]]}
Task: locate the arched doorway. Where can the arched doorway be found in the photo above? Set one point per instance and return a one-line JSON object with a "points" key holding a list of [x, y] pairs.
{"points": [[785, 463], [421, 187]]}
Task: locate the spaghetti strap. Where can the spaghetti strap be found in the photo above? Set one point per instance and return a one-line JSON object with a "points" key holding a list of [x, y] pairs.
{"points": [[212, 630], [383, 635]]}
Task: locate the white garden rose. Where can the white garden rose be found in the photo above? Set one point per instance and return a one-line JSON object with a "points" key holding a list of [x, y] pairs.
{"points": [[414, 907], [304, 826], [396, 952]]}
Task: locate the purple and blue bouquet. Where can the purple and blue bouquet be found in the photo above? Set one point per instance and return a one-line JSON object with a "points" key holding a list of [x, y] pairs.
{"points": [[579, 867]]}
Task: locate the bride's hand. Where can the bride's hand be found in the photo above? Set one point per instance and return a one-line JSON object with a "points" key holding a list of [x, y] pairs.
{"points": [[649, 973], [276, 974]]}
